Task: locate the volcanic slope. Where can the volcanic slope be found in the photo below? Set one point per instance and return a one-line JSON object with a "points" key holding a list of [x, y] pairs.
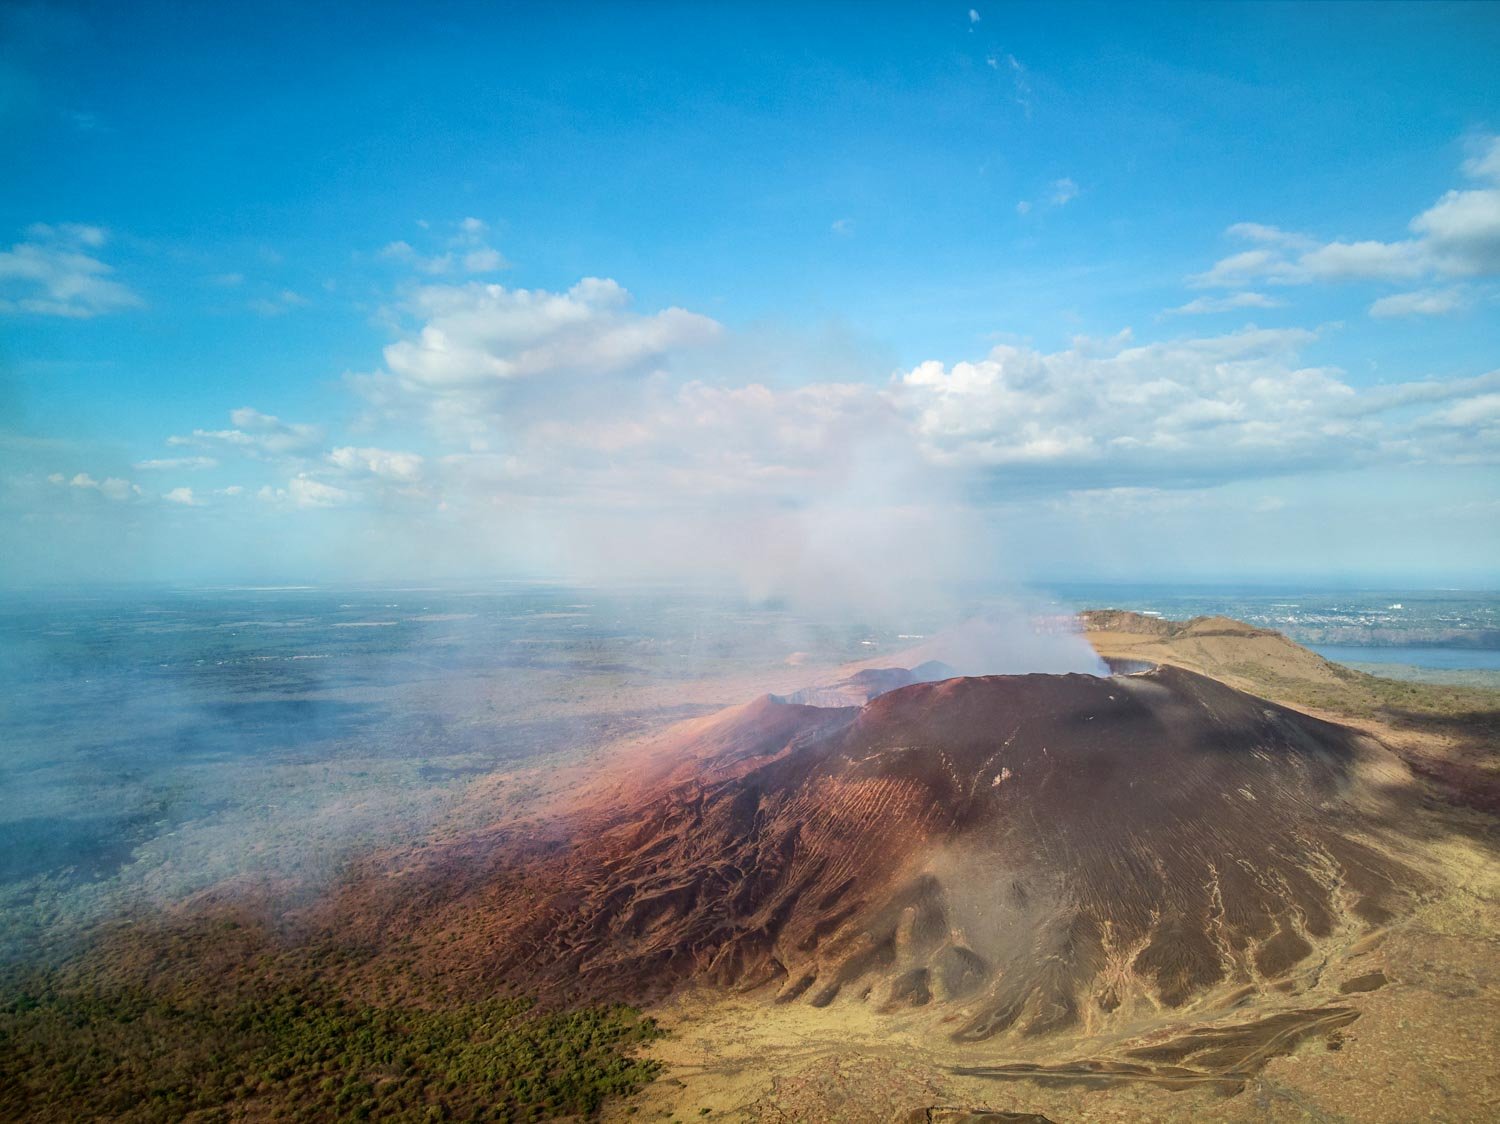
{"points": [[1011, 855], [1446, 734]]}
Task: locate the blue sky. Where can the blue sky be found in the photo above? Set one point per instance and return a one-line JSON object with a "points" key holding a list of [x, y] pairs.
{"points": [[1088, 291]]}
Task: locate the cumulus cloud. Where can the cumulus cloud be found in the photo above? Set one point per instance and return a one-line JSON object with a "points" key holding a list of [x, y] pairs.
{"points": [[111, 487], [484, 357], [183, 496], [381, 463], [1183, 411], [1483, 162], [477, 335], [1461, 232], [1458, 236], [304, 491], [258, 435], [658, 432], [55, 273]]}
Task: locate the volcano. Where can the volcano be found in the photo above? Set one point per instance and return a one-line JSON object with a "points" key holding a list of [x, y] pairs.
{"points": [[1015, 855]]}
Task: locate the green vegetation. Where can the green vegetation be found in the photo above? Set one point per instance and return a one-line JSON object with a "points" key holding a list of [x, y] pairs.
{"points": [[302, 1051]]}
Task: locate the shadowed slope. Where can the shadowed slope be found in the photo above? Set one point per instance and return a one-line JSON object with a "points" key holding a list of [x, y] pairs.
{"points": [[1447, 734]]}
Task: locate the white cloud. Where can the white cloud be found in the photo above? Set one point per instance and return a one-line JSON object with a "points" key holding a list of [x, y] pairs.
{"points": [[303, 491], [1458, 236], [1423, 302], [1210, 408], [1020, 81], [1481, 410], [516, 378], [1359, 261], [307, 492], [1483, 162], [843, 226], [183, 496], [484, 260], [1064, 191], [1231, 303], [1335, 261], [467, 250], [78, 233], [111, 487], [1237, 269], [382, 463], [479, 336], [56, 274], [277, 305], [1023, 207], [1461, 232], [973, 16], [190, 463], [1259, 232], [258, 435]]}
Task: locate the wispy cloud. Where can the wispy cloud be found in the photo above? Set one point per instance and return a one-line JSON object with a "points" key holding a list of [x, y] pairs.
{"points": [[1022, 83], [1458, 236], [176, 463], [1423, 302], [55, 273], [256, 435], [279, 304], [1234, 302], [466, 250], [111, 487]]}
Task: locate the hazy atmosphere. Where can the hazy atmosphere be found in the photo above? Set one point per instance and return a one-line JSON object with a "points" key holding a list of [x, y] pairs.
{"points": [[889, 563]]}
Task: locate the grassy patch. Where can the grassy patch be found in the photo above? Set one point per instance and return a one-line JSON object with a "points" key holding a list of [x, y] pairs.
{"points": [[302, 1050], [1402, 702]]}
